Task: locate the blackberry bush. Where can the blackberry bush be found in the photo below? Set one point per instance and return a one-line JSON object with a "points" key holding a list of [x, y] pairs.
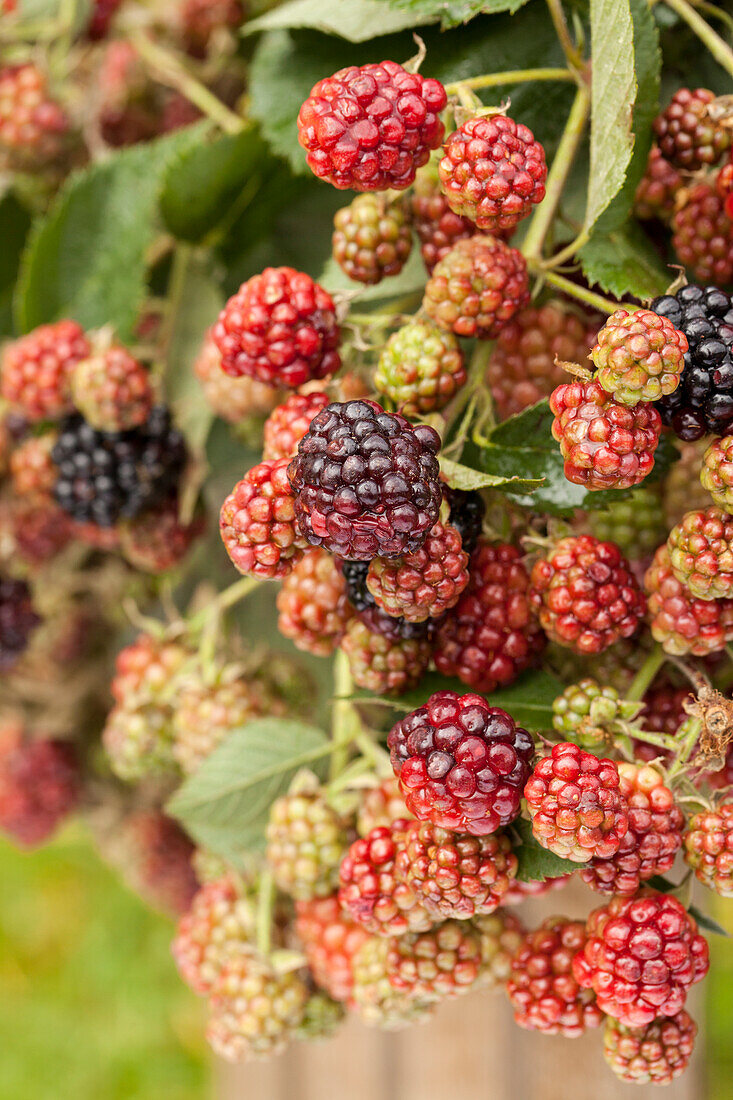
{"points": [[463, 634]]}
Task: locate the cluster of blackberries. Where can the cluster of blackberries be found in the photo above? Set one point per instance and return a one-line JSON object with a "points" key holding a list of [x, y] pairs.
{"points": [[702, 404], [106, 476]]}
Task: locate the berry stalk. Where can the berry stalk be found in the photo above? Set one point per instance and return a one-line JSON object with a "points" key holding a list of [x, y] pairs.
{"points": [[557, 177], [223, 602], [171, 71], [720, 50], [511, 76]]}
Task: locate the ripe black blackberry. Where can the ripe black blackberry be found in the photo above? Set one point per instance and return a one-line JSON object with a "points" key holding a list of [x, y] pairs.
{"points": [[107, 476], [467, 511], [17, 620], [702, 404], [366, 482], [357, 593]]}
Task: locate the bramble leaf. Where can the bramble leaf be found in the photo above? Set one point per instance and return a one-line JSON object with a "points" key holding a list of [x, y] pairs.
{"points": [[225, 804]]}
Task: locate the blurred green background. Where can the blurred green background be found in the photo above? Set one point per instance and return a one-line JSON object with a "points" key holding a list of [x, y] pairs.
{"points": [[91, 1006]]}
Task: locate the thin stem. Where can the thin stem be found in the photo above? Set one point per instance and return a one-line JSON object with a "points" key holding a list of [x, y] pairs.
{"points": [[683, 751], [476, 374], [561, 29], [226, 599], [646, 674], [569, 251], [173, 72], [373, 752], [344, 720], [714, 12], [265, 901], [512, 76], [596, 301], [180, 264], [543, 217], [720, 50]]}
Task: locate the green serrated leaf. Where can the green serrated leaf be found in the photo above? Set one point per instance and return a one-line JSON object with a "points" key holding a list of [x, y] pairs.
{"points": [[196, 303], [202, 183], [14, 225], [459, 476], [225, 804], [524, 442], [535, 862], [87, 259], [613, 93], [647, 69], [625, 262], [453, 12], [357, 21]]}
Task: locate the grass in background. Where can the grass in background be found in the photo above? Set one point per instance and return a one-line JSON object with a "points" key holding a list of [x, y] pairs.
{"points": [[718, 992], [90, 1002]]}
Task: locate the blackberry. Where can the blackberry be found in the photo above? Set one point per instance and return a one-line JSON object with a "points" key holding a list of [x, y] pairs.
{"points": [[635, 524], [702, 404], [17, 620], [493, 171], [366, 482], [355, 578], [467, 511], [702, 234], [461, 763], [378, 621], [370, 128], [372, 238], [420, 369], [385, 665], [107, 476], [687, 135]]}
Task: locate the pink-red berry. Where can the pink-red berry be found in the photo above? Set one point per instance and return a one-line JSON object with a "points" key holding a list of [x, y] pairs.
{"points": [[606, 445], [370, 128], [543, 992], [257, 522], [37, 369], [461, 763], [477, 288], [279, 328], [493, 171], [641, 957], [585, 594], [576, 805], [492, 634]]}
